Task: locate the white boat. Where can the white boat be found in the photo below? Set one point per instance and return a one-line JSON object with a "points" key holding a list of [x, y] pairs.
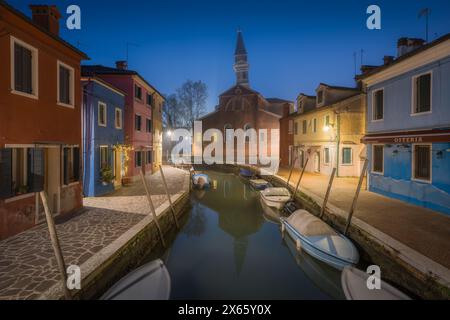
{"points": [[319, 240], [149, 282], [200, 180], [354, 285], [275, 197], [259, 184]]}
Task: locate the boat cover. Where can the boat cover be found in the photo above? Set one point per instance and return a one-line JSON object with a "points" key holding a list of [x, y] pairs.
{"points": [[276, 192]]}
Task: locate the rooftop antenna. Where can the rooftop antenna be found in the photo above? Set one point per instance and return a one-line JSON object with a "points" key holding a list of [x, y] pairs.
{"points": [[362, 56], [354, 61], [425, 12], [128, 48]]}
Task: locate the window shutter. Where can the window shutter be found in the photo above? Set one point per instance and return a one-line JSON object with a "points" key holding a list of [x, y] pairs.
{"points": [[36, 170], [6, 173], [18, 67], [66, 165], [27, 56], [76, 164], [424, 92]]}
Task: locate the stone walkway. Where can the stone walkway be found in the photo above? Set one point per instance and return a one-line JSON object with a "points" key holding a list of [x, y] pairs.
{"points": [[424, 230], [27, 263]]}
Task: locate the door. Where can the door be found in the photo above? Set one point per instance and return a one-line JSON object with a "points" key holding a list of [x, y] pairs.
{"points": [[117, 168], [317, 162], [52, 178]]}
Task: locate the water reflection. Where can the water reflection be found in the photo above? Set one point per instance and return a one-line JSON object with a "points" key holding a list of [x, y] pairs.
{"points": [[197, 223]]}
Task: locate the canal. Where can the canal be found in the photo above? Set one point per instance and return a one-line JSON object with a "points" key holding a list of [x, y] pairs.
{"points": [[231, 248]]}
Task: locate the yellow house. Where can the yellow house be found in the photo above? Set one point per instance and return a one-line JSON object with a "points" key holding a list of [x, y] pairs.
{"points": [[328, 131], [157, 131]]}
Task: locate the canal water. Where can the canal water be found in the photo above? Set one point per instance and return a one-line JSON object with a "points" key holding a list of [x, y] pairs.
{"points": [[231, 248]]}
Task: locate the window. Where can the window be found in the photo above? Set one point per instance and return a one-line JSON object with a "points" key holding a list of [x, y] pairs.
{"points": [[138, 92], [422, 93], [378, 158], [327, 121], [104, 161], [320, 97], [291, 126], [102, 114], [71, 164], [300, 106], [149, 157], [247, 133], [65, 85], [24, 68], [305, 123], [149, 99], [326, 155], [314, 125], [422, 162], [137, 122], [378, 105], [347, 156], [138, 159], [21, 171], [148, 125], [118, 118], [296, 128]]}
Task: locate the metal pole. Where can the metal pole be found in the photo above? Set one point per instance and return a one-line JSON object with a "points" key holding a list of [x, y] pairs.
{"points": [[301, 176], [168, 196], [355, 199], [152, 208], [55, 244], [333, 174]]}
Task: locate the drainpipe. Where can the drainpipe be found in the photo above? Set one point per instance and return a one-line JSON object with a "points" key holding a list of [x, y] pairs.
{"points": [[338, 140]]}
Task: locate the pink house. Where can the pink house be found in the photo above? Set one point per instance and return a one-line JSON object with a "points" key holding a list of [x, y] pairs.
{"points": [[141, 101]]}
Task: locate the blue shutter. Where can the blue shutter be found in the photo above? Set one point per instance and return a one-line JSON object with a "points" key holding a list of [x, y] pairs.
{"points": [[6, 173]]}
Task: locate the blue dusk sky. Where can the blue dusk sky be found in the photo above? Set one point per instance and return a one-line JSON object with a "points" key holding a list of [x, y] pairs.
{"points": [[292, 45]]}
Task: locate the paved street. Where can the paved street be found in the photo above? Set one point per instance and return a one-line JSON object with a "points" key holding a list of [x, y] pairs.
{"points": [[423, 230], [27, 263]]}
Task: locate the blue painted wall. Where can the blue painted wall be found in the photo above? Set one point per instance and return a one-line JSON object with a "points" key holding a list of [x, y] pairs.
{"points": [[396, 181], [398, 101], [95, 136]]}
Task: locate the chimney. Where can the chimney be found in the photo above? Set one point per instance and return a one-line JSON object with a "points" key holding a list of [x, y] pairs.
{"points": [[366, 69], [122, 65], [406, 45], [47, 17], [388, 60]]}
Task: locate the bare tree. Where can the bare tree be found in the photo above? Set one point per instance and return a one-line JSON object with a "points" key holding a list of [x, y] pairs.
{"points": [[172, 113], [192, 98]]}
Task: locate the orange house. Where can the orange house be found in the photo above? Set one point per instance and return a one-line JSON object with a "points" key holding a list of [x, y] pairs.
{"points": [[40, 118]]}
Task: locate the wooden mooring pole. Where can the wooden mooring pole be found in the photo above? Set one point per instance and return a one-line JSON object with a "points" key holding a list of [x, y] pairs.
{"points": [[152, 208], [300, 178], [290, 175], [325, 201], [355, 199], [55, 244], [168, 196]]}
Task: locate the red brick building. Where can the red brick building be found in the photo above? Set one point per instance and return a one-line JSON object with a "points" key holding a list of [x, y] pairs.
{"points": [[40, 118], [241, 107]]}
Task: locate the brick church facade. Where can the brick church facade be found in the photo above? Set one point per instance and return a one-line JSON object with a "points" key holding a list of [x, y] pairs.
{"points": [[241, 107]]}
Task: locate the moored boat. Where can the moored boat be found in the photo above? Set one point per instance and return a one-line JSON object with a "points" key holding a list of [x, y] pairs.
{"points": [[149, 282], [319, 240], [246, 173], [259, 184], [354, 285], [200, 180], [275, 197]]}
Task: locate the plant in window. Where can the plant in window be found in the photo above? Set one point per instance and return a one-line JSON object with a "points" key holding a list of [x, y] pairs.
{"points": [[106, 175]]}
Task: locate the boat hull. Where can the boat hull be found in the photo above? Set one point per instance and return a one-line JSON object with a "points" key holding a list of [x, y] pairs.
{"points": [[308, 247], [275, 203]]}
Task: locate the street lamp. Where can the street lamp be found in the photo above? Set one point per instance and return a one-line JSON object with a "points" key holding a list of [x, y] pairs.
{"points": [[169, 133]]}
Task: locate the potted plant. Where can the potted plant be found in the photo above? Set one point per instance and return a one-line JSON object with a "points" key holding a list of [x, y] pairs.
{"points": [[106, 175]]}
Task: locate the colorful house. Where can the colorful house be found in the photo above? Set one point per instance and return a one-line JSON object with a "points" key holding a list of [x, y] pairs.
{"points": [[408, 124], [103, 136], [40, 119], [328, 129], [143, 107]]}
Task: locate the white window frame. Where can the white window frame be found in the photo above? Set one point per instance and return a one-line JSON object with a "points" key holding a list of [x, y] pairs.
{"points": [[34, 69], [325, 163], [71, 85], [120, 117], [373, 104], [106, 114], [320, 104], [413, 94], [103, 146], [413, 178], [373, 159], [351, 156]]}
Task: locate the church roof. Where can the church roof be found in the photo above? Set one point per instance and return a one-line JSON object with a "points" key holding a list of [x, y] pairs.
{"points": [[239, 89], [240, 47]]}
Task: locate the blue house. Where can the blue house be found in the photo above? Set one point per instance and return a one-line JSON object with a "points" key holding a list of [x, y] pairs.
{"points": [[408, 124], [103, 135]]}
